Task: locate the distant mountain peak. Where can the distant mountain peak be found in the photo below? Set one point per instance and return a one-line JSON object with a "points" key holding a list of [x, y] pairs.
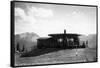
{"points": [[29, 36], [22, 35]]}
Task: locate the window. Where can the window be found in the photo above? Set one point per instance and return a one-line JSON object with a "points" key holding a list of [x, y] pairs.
{"points": [[60, 40]]}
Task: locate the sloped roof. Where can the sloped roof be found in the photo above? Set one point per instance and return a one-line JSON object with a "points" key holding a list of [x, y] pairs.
{"points": [[64, 35]]}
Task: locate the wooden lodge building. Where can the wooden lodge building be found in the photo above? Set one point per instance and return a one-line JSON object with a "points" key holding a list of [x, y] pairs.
{"points": [[62, 40]]}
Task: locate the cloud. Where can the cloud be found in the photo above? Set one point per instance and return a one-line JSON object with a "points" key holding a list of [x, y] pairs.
{"points": [[19, 12], [33, 12], [24, 17], [27, 20], [44, 12], [40, 12]]}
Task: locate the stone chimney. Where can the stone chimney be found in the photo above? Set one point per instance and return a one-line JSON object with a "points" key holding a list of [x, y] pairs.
{"points": [[64, 31]]}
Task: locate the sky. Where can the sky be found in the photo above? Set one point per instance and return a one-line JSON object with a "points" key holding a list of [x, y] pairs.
{"points": [[44, 19]]}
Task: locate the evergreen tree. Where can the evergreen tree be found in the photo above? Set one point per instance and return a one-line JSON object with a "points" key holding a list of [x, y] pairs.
{"points": [[17, 48], [23, 49]]}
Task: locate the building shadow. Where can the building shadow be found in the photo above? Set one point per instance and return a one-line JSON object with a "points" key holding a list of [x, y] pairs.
{"points": [[37, 52]]}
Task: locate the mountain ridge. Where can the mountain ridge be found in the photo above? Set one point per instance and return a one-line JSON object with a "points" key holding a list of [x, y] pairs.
{"points": [[26, 40]]}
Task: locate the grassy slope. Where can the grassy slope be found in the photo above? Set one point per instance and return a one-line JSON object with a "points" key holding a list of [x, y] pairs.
{"points": [[61, 56]]}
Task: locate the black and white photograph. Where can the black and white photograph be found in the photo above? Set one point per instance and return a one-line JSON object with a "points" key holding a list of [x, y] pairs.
{"points": [[53, 33]]}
